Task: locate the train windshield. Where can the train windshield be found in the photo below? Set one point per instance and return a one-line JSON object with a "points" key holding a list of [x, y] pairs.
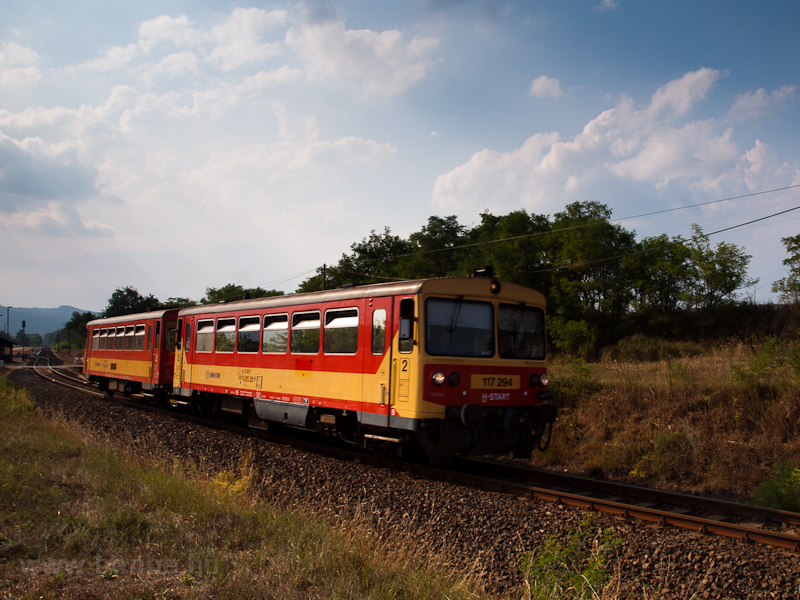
{"points": [[521, 332], [457, 327]]}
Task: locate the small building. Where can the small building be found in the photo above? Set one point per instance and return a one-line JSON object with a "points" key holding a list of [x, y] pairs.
{"points": [[5, 349]]}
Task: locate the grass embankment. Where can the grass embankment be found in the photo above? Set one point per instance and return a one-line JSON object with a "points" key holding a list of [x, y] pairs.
{"points": [[725, 422], [83, 520]]}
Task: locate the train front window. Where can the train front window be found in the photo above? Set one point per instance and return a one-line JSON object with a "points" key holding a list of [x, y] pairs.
{"points": [[457, 327], [521, 332]]}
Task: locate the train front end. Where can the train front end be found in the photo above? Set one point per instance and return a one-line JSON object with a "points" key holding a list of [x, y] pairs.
{"points": [[480, 352]]}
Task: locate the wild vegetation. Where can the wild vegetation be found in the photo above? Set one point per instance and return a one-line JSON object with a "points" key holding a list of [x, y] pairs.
{"points": [[83, 520], [725, 421]]}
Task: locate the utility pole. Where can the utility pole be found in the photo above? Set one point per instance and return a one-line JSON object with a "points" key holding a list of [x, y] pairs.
{"points": [[324, 275]]}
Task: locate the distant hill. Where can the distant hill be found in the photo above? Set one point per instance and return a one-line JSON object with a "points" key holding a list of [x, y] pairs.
{"points": [[37, 320]]}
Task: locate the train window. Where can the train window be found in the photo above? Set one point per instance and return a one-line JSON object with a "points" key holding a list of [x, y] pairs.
{"points": [[379, 331], [226, 335], [341, 331], [406, 343], [149, 336], [95, 339], [103, 338], [129, 337], [457, 327], [111, 334], [305, 333], [249, 334], [187, 344], [520, 332], [138, 338], [205, 336], [120, 338], [276, 334]]}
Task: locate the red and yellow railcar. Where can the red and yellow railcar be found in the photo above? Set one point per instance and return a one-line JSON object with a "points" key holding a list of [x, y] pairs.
{"points": [[133, 353], [449, 366]]}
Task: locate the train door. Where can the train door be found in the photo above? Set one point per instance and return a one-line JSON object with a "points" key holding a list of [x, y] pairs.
{"points": [[403, 365], [178, 369], [377, 380], [187, 348]]}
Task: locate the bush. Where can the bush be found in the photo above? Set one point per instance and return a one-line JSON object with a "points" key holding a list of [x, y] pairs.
{"points": [[642, 348], [574, 569], [782, 490]]}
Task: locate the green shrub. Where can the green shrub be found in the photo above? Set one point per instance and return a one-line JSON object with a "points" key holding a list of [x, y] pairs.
{"points": [[576, 568], [782, 490]]}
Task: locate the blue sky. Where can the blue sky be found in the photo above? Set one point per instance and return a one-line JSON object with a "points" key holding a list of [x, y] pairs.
{"points": [[174, 146]]}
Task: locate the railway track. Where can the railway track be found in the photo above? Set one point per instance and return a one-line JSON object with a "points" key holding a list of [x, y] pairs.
{"points": [[697, 514]]}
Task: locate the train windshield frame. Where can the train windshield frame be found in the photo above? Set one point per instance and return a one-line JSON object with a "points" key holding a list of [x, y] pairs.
{"points": [[520, 332], [458, 327]]}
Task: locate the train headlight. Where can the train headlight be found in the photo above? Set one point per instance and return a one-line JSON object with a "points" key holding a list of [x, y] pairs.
{"points": [[544, 379], [438, 378], [453, 379]]}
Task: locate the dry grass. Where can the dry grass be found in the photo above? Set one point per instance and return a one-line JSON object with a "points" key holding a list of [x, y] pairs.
{"points": [[715, 424], [82, 520]]}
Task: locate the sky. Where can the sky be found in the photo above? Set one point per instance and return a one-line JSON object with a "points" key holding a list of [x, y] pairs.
{"points": [[178, 145]]}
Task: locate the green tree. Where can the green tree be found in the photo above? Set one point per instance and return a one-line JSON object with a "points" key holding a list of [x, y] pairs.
{"points": [[788, 288], [435, 249], [75, 328], [178, 303], [513, 245], [661, 276], [592, 284], [231, 292], [716, 273], [128, 301]]}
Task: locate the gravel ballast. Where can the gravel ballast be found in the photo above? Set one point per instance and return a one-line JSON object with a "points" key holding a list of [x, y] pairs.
{"points": [[472, 532]]}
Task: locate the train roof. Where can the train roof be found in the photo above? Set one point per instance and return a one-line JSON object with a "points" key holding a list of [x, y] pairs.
{"points": [[154, 314], [442, 285]]}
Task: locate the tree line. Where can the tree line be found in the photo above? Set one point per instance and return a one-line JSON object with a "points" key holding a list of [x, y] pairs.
{"points": [[601, 284]]}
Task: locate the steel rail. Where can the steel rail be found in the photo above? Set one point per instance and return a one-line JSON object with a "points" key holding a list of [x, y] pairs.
{"points": [[744, 533]]}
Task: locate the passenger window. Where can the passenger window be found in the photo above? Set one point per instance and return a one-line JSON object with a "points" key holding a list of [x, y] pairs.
{"points": [[95, 339], [103, 338], [111, 338], [305, 333], [138, 338], [129, 337], [205, 336], [276, 334], [120, 338], [249, 334], [226, 335], [341, 331], [379, 331]]}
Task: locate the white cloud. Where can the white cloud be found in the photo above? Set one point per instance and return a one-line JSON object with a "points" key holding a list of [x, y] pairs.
{"points": [[545, 87], [682, 94], [17, 66], [620, 146], [758, 103], [383, 63], [238, 39]]}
